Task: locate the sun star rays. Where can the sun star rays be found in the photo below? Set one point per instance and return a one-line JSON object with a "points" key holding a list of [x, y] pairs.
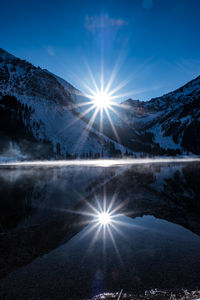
{"points": [[99, 111], [104, 220]]}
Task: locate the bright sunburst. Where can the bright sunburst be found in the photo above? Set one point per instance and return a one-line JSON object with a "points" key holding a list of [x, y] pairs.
{"points": [[104, 218], [102, 100], [105, 221], [102, 104]]}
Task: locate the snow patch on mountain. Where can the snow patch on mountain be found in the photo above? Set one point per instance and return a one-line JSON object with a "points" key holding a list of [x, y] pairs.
{"points": [[165, 142]]}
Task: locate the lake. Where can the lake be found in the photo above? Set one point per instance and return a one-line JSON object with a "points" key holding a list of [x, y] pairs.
{"points": [[53, 246]]}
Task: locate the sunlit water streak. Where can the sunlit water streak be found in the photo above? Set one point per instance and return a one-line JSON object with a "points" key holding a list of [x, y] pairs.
{"points": [[100, 162]]}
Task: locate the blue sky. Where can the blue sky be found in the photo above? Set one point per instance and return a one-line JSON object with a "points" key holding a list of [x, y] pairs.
{"points": [[153, 45]]}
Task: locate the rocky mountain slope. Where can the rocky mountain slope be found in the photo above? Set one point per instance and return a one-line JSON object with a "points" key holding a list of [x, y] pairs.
{"points": [[37, 117], [173, 119], [40, 118]]}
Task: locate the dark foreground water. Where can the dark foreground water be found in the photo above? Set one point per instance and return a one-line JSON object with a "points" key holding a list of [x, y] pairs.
{"points": [[52, 246]]}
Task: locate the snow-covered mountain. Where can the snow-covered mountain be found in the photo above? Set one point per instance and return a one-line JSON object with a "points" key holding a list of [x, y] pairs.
{"points": [[37, 115], [171, 121], [40, 117], [167, 125]]}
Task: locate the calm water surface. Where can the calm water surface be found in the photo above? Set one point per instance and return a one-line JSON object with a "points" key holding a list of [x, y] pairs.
{"points": [[53, 247]]}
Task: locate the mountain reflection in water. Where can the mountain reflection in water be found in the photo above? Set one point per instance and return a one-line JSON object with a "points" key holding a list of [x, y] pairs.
{"points": [[49, 247]]}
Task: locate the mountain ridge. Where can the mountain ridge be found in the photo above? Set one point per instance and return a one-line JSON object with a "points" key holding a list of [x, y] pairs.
{"points": [[52, 119], [166, 125]]}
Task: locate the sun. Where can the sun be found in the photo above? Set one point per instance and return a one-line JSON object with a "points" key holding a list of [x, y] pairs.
{"points": [[101, 100], [104, 218]]}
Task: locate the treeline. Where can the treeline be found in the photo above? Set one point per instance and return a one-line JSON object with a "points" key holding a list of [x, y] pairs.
{"points": [[13, 116], [15, 126], [111, 152]]}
